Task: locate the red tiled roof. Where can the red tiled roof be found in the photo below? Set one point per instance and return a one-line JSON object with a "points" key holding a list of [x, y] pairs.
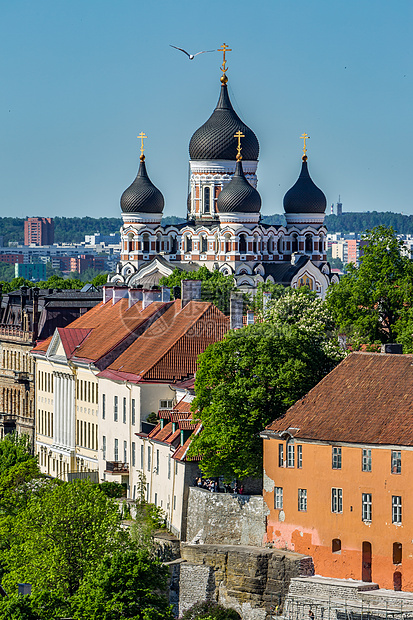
{"points": [[168, 350], [71, 338], [367, 399], [176, 416], [42, 346]]}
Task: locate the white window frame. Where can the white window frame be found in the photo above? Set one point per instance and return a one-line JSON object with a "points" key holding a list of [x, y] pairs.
{"points": [[366, 507], [336, 500], [336, 457], [278, 498], [366, 460], [396, 462], [300, 456], [290, 455], [302, 500], [396, 505]]}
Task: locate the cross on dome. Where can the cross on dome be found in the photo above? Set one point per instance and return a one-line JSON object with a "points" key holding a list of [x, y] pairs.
{"points": [[224, 48], [142, 136], [239, 135], [305, 137]]}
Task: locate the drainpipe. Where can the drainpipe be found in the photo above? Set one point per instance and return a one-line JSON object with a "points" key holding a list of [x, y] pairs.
{"points": [[129, 387]]}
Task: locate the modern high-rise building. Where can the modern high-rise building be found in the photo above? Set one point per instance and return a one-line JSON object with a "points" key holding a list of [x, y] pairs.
{"points": [[39, 231]]}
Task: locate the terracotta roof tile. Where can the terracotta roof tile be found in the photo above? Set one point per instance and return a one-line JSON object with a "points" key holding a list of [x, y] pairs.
{"points": [[367, 399], [168, 350]]}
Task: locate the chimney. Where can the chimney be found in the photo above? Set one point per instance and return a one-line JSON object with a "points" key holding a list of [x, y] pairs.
{"points": [[176, 292], [166, 293], [107, 292], [135, 294], [190, 291], [119, 292], [23, 295], [235, 311], [149, 296], [35, 312], [392, 348]]}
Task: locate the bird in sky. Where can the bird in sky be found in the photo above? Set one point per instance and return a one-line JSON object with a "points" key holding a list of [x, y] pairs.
{"points": [[191, 56]]}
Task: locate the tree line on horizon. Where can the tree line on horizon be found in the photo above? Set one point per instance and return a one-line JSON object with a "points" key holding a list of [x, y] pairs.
{"points": [[74, 229]]}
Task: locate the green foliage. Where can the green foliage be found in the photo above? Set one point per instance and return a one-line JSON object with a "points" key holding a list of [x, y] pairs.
{"points": [[274, 291], [362, 221], [6, 272], [14, 449], [100, 279], [14, 490], [17, 607], [124, 585], [113, 489], [248, 380], [210, 609], [60, 537], [215, 287], [373, 302], [152, 418]]}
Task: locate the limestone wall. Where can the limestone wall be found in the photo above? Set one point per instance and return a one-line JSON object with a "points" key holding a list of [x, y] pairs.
{"points": [[252, 580], [222, 518]]}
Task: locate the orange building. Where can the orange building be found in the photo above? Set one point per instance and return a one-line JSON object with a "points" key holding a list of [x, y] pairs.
{"points": [[338, 470]]}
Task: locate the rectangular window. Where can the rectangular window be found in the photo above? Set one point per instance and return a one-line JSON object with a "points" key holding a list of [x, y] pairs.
{"points": [[88, 434], [299, 456], [149, 458], [290, 455], [302, 500], [124, 410], [396, 462], [396, 503], [157, 461], [336, 457], [156, 499], [366, 460], [278, 498], [116, 450], [125, 451], [280, 455], [104, 447], [133, 412], [103, 406], [336, 500], [142, 450], [115, 408], [133, 454], [166, 404], [366, 511], [169, 466], [93, 392], [174, 502]]}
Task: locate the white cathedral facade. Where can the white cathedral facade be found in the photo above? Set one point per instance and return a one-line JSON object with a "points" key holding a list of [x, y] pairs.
{"points": [[223, 229]]}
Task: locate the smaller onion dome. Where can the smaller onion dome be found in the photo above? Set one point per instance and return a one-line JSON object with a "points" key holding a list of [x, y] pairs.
{"points": [[239, 196], [142, 196], [305, 196]]}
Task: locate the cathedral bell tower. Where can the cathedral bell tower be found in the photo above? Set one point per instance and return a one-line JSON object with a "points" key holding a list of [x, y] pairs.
{"points": [[211, 151]]}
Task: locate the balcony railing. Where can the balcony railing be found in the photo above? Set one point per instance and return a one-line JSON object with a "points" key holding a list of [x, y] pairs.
{"points": [[117, 467], [11, 332]]}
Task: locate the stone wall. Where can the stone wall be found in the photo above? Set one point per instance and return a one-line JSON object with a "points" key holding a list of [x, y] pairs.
{"points": [[223, 518], [252, 580]]}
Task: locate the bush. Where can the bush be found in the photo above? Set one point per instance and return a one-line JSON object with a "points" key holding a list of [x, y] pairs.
{"points": [[210, 609], [113, 489]]}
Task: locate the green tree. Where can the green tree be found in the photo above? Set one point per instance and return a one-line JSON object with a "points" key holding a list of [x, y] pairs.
{"points": [[370, 301], [60, 536], [211, 610], [215, 287], [14, 449], [125, 584], [14, 488], [245, 382]]}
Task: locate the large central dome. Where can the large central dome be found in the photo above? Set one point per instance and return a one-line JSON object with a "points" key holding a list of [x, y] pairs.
{"points": [[215, 138]]}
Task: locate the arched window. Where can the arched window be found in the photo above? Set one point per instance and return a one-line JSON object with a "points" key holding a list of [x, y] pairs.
{"points": [[216, 244], [130, 242], [397, 553], [308, 244], [158, 243], [294, 243], [321, 244], [188, 243], [207, 200], [174, 245], [271, 245], [280, 244], [255, 245], [242, 244], [336, 545], [146, 242], [227, 244], [204, 244]]}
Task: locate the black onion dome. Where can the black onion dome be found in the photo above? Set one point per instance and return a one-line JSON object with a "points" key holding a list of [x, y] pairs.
{"points": [[239, 196], [142, 196], [305, 196], [215, 139]]}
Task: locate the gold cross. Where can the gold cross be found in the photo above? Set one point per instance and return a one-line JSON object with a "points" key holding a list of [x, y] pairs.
{"points": [[223, 49], [304, 137], [239, 135], [142, 136]]}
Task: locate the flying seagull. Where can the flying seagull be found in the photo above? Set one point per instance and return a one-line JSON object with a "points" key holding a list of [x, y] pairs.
{"points": [[190, 56]]}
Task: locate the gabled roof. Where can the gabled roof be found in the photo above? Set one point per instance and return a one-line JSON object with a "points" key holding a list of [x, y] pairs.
{"points": [[168, 349], [71, 338], [366, 399]]}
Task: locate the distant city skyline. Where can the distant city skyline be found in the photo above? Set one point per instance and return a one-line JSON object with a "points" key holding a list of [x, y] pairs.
{"points": [[81, 80]]}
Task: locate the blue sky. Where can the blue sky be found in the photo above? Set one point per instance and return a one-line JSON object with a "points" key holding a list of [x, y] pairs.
{"points": [[81, 78]]}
